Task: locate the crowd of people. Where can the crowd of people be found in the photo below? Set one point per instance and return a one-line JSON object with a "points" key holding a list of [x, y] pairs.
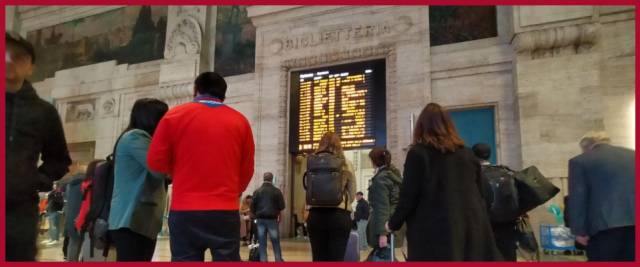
{"points": [[441, 202]]}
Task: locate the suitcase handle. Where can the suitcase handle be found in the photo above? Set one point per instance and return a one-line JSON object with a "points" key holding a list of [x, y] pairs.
{"points": [[392, 244]]}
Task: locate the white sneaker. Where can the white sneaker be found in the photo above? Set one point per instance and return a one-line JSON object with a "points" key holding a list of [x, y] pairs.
{"points": [[46, 241], [53, 242]]}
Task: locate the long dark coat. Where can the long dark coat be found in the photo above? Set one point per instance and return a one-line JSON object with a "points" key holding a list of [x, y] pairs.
{"points": [[441, 201]]}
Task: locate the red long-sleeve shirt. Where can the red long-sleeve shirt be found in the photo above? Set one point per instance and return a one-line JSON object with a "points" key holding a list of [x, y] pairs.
{"points": [[209, 153]]}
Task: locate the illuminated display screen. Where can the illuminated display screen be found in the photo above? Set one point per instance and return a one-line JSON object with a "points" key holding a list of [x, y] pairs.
{"points": [[347, 99]]}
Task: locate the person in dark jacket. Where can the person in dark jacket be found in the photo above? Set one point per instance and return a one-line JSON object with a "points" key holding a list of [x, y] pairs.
{"points": [[361, 219], [73, 199], [602, 199], [267, 204], [441, 197], [139, 195], [33, 132], [384, 194], [505, 233]]}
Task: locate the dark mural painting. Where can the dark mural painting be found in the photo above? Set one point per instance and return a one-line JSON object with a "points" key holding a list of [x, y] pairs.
{"points": [[235, 41], [129, 35], [453, 24]]}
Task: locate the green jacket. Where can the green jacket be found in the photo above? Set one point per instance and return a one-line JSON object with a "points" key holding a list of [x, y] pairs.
{"points": [[139, 195], [384, 195]]}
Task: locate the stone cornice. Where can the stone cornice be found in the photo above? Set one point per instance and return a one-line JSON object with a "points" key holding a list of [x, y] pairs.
{"points": [[541, 43]]}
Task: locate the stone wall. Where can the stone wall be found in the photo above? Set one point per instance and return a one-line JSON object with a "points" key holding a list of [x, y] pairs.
{"points": [[574, 73]]}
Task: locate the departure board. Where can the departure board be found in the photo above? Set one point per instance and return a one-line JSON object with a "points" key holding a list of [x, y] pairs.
{"points": [[346, 99]]}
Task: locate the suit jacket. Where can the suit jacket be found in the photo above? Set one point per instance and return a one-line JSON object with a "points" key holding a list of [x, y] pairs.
{"points": [[602, 190]]}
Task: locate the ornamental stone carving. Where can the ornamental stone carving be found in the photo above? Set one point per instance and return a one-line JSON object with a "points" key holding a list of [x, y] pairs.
{"points": [[185, 10], [175, 93], [109, 107], [83, 110], [550, 42], [184, 39]]}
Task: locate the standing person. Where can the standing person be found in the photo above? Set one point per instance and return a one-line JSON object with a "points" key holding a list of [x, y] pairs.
{"points": [[267, 205], [441, 197], [602, 199], [329, 227], [505, 233], [384, 194], [361, 218], [73, 199], [207, 149], [55, 204], [33, 131], [247, 221], [138, 200]]}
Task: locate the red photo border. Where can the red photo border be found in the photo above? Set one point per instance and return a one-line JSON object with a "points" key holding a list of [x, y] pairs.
{"points": [[290, 2]]}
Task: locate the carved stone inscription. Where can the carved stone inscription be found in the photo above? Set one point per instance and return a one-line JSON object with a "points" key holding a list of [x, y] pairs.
{"points": [[341, 33]]}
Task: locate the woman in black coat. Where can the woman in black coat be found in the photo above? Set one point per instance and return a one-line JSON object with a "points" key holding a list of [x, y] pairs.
{"points": [[440, 196]]}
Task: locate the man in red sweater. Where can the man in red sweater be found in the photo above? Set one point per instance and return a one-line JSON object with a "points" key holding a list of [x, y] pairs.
{"points": [[207, 149]]}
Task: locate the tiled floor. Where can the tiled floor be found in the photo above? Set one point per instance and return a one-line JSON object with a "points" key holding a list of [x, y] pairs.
{"points": [[293, 250]]}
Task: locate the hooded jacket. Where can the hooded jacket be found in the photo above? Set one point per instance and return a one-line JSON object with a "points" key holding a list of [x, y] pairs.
{"points": [[384, 195], [33, 131]]}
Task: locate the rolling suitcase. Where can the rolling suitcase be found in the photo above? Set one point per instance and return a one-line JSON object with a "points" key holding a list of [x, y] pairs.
{"points": [[352, 254]]}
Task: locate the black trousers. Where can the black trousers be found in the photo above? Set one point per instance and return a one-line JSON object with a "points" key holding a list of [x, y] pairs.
{"points": [[131, 246], [329, 230], [615, 244], [194, 232], [21, 231], [506, 237]]}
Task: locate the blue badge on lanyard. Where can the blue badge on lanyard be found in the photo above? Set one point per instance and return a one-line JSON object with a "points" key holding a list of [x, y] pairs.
{"points": [[211, 102]]}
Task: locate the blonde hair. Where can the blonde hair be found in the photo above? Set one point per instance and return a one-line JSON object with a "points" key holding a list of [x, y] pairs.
{"points": [[592, 138], [330, 142]]}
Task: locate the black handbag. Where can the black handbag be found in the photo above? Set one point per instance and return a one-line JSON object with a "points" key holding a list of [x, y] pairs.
{"points": [[533, 188], [254, 253], [526, 238]]}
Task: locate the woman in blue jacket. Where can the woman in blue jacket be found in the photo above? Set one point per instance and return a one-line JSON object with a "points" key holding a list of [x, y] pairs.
{"points": [[139, 196]]}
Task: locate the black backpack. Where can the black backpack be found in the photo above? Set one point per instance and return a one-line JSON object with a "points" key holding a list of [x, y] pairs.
{"points": [[503, 196], [56, 200], [97, 220], [324, 180]]}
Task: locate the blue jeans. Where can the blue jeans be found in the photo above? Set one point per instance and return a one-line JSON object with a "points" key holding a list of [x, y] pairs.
{"points": [[54, 225], [362, 234], [270, 226]]}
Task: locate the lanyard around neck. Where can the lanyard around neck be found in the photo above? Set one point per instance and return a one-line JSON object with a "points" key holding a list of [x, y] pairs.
{"points": [[208, 101]]}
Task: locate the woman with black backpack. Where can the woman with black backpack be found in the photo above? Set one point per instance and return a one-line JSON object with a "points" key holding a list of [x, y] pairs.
{"points": [[329, 226], [139, 195]]}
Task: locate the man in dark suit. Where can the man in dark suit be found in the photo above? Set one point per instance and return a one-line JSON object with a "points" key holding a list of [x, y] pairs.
{"points": [[601, 199]]}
